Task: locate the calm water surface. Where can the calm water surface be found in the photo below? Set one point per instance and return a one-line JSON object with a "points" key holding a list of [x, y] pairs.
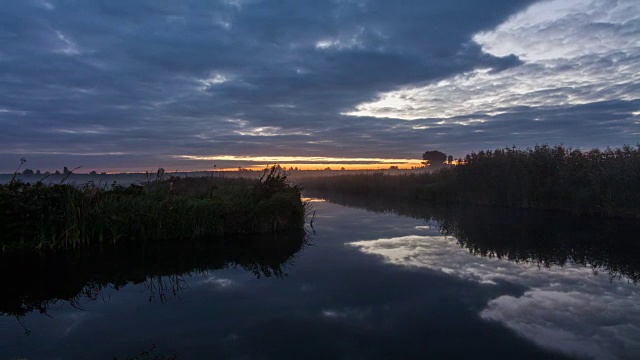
{"points": [[366, 285]]}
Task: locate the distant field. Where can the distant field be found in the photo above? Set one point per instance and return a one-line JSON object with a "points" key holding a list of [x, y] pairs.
{"points": [[139, 178], [104, 179]]}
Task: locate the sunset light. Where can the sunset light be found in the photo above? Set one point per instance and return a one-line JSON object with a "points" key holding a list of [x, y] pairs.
{"points": [[332, 179], [309, 162], [335, 81]]}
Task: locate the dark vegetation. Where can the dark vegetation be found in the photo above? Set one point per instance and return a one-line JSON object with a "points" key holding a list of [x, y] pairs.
{"points": [[594, 182], [434, 158], [149, 354], [62, 215], [547, 239], [36, 281]]}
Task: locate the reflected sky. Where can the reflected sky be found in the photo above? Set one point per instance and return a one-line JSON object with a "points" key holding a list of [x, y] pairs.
{"points": [[573, 309], [369, 286]]}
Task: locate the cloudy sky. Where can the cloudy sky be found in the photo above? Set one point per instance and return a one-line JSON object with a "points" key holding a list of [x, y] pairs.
{"points": [[121, 85]]}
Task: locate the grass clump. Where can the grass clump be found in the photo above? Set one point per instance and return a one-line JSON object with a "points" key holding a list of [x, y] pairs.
{"points": [[41, 215]]}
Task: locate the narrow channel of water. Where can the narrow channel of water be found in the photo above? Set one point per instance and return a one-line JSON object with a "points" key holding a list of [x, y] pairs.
{"points": [[397, 282]]}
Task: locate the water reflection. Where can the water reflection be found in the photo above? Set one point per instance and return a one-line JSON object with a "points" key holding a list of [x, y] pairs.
{"points": [[546, 239], [568, 304], [37, 281], [335, 303]]}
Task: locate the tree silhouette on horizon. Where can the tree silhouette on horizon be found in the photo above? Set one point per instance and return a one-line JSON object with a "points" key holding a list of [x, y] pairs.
{"points": [[433, 158]]}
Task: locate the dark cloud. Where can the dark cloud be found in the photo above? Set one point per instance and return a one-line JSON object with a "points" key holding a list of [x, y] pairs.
{"points": [[154, 79]]}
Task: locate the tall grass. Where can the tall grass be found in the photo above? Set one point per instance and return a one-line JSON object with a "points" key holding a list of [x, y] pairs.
{"points": [[604, 182], [40, 215]]}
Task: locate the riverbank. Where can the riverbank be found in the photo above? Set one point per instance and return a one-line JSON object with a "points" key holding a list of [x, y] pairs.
{"points": [[602, 183], [66, 215]]}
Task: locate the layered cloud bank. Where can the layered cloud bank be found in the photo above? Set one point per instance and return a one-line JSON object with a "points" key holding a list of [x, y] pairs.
{"points": [[573, 53], [154, 80]]}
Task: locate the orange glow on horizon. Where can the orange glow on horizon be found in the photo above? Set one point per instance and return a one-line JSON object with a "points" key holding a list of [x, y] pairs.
{"points": [[409, 165], [352, 167], [308, 162]]}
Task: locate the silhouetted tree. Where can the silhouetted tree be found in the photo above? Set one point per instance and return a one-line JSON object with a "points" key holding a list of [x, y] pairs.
{"points": [[27, 172], [433, 158], [450, 159], [65, 170], [93, 173]]}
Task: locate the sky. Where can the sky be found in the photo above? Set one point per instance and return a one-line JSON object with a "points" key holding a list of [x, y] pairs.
{"points": [[133, 86]]}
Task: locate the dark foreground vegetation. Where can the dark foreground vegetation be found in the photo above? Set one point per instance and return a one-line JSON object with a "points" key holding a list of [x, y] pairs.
{"points": [[595, 182], [609, 245], [62, 215]]}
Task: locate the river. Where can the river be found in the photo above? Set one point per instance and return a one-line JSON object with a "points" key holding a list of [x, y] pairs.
{"points": [[368, 281]]}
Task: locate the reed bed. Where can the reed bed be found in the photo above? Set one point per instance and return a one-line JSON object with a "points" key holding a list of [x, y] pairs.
{"points": [[597, 182], [66, 215]]}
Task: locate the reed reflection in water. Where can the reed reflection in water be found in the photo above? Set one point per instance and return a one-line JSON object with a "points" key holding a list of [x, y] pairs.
{"points": [[37, 281], [578, 276]]}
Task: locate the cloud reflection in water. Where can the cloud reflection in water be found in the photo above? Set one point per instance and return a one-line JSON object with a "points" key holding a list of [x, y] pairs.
{"points": [[571, 308]]}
